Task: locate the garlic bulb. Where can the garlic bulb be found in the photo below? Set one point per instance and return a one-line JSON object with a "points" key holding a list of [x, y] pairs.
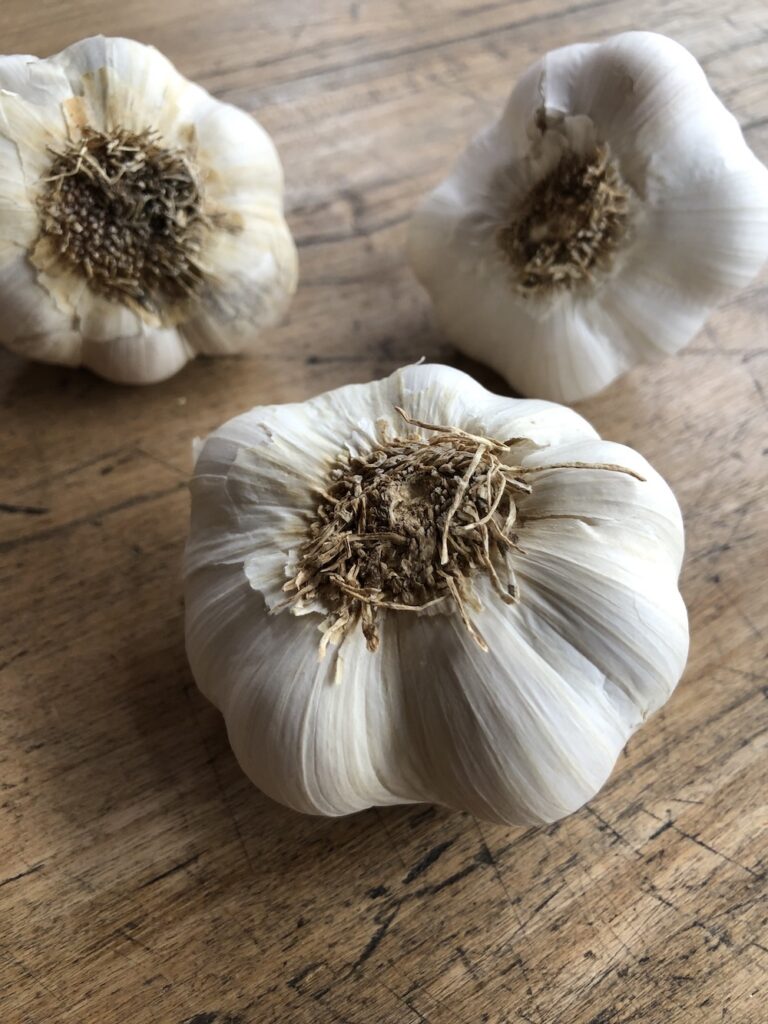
{"points": [[595, 225], [141, 220], [491, 588]]}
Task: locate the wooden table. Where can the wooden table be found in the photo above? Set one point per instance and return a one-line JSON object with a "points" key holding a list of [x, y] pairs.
{"points": [[142, 878]]}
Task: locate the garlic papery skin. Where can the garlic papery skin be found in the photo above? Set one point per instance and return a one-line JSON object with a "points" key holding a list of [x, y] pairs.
{"points": [[595, 225], [141, 220], [329, 719]]}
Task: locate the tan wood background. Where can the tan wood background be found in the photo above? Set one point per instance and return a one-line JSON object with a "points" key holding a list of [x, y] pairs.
{"points": [[142, 878]]}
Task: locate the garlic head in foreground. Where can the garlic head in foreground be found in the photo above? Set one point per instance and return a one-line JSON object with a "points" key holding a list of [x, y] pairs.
{"points": [[141, 220], [414, 590], [595, 225]]}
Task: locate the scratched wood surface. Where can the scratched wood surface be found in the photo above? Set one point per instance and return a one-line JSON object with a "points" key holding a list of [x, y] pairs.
{"points": [[142, 878]]}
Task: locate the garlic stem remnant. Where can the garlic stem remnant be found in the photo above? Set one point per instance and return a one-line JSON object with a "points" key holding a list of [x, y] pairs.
{"points": [[125, 212], [408, 524], [570, 223]]}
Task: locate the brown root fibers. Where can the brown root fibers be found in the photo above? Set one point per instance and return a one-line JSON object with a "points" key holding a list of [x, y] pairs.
{"points": [[408, 524]]}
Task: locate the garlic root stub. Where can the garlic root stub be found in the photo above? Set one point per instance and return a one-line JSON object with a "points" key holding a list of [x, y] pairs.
{"points": [[596, 224], [141, 220], [415, 590]]}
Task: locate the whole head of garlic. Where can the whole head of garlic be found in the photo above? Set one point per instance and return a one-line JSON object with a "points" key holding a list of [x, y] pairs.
{"points": [[595, 225], [141, 220], [491, 587]]}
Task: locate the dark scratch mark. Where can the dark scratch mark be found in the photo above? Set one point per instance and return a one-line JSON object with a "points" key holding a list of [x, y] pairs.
{"points": [[428, 860], [422, 816], [170, 871], [517, 962], [757, 386], [753, 627], [402, 999], [444, 1010], [413, 1009], [605, 826], [431, 890], [308, 241], [125, 934], [485, 856], [606, 893], [718, 716], [523, 923], [220, 787], [549, 899], [373, 943], [661, 829], [24, 510], [315, 360], [663, 900], [720, 935], [27, 970], [22, 874], [15, 657], [718, 853], [378, 890], [409, 51], [297, 979], [468, 965], [700, 842], [733, 908], [756, 676], [330, 1010], [604, 1017], [97, 514], [71, 470], [713, 550], [143, 453]]}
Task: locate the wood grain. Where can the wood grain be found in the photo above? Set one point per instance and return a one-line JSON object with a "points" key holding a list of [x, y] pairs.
{"points": [[142, 878]]}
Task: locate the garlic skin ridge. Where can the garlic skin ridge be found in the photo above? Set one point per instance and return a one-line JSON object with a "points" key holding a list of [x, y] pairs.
{"points": [[523, 734], [244, 252], [697, 218]]}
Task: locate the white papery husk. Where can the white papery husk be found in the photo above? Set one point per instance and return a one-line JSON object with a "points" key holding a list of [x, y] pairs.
{"points": [[51, 314], [523, 734], [698, 202]]}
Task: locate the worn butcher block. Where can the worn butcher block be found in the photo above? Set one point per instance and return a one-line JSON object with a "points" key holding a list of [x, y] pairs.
{"points": [[142, 878]]}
